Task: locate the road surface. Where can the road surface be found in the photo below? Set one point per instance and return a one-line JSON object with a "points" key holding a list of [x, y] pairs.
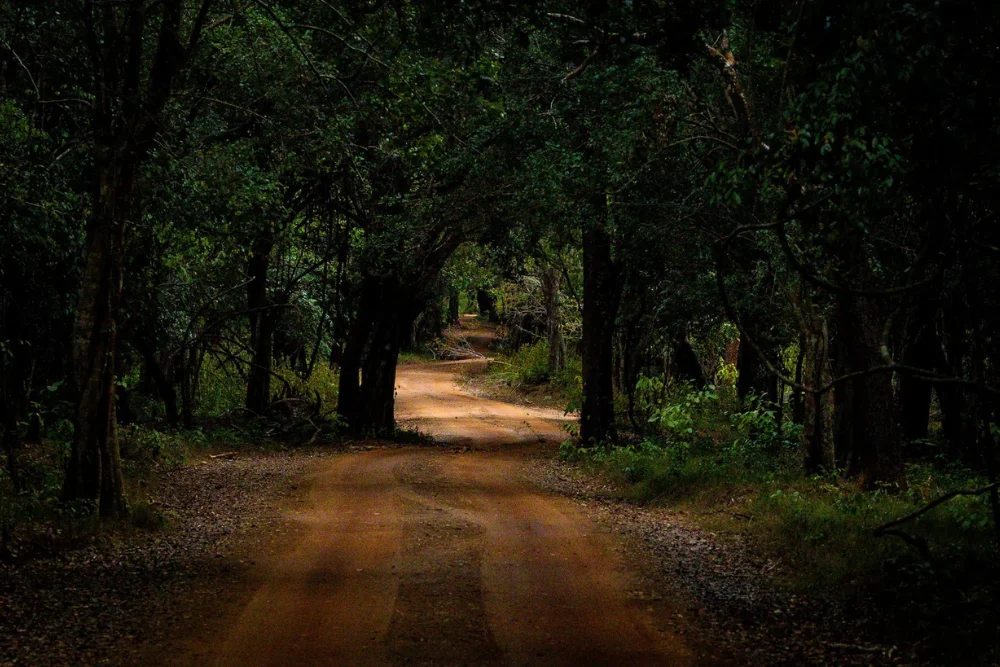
{"points": [[434, 555]]}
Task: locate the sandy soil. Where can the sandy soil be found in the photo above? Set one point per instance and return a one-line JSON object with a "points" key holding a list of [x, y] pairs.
{"points": [[445, 555]]}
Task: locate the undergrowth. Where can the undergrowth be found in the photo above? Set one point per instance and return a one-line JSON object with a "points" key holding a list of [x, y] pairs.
{"points": [[34, 519], [735, 470], [526, 371]]}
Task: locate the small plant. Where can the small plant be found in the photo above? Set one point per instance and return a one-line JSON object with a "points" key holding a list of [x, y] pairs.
{"points": [[142, 447], [147, 515], [760, 440], [683, 413], [320, 385], [528, 366]]}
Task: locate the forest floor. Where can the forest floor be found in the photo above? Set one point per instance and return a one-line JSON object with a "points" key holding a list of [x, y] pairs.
{"points": [[479, 549]]}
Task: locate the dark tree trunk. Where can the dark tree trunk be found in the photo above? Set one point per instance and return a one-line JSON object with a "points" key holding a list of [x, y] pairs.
{"points": [[189, 362], [950, 396], [349, 391], [94, 471], [368, 372], [164, 387], [259, 378], [748, 368], [920, 350], [487, 305], [843, 406], [453, 307], [378, 373], [631, 361], [551, 280], [815, 406], [798, 397], [686, 364], [600, 308], [126, 118], [14, 364], [753, 376], [877, 458], [262, 322]]}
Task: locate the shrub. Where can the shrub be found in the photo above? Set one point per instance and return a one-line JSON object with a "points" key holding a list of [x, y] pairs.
{"points": [[142, 447], [760, 441], [146, 515], [530, 365], [681, 413], [321, 384], [220, 391]]}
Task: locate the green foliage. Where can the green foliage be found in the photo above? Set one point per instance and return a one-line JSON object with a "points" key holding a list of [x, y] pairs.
{"points": [[320, 385], [528, 368], [221, 391], [760, 441], [143, 448], [681, 413], [147, 515], [725, 387]]}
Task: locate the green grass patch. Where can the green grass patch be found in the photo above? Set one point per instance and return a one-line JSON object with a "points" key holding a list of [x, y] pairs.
{"points": [[525, 374]]}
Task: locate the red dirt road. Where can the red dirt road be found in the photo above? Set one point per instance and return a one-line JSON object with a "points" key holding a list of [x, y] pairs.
{"points": [[446, 556]]}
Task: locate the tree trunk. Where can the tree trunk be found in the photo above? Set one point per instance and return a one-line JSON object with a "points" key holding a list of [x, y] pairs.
{"points": [[349, 390], [262, 323], [551, 280], [368, 373], [487, 305], [164, 387], [378, 373], [453, 306], [686, 364], [14, 401], [798, 397], [878, 458], [94, 471], [919, 349], [950, 397], [818, 456], [600, 308]]}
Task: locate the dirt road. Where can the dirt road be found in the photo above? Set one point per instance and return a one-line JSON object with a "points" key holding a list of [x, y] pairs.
{"points": [[445, 556]]}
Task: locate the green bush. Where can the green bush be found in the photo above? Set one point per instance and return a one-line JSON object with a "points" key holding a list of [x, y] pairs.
{"points": [[529, 365], [146, 515], [696, 448], [142, 447], [760, 441], [220, 391], [322, 383]]}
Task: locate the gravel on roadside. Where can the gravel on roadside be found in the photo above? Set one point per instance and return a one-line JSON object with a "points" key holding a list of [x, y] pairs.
{"points": [[104, 602], [734, 593]]}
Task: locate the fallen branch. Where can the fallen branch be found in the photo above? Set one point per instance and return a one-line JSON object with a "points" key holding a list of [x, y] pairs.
{"points": [[735, 515], [460, 350], [857, 647], [224, 455], [882, 530], [915, 541]]}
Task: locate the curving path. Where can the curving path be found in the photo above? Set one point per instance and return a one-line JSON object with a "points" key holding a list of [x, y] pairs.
{"points": [[446, 556]]}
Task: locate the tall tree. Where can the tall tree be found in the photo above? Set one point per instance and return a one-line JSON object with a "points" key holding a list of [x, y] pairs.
{"points": [[130, 92]]}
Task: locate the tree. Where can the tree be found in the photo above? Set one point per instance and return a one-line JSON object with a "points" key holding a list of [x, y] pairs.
{"points": [[130, 94]]}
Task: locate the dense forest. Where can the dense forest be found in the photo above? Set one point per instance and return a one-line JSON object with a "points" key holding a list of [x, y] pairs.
{"points": [[749, 243]]}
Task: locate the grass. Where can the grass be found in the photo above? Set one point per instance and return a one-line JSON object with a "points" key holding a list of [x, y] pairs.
{"points": [[524, 376], [733, 472], [421, 356], [821, 528]]}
